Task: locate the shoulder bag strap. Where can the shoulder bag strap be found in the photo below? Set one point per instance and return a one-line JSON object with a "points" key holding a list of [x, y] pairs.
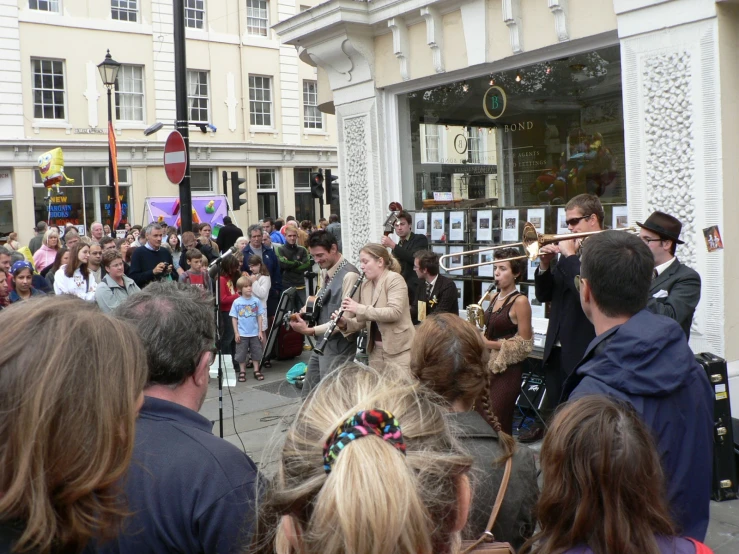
{"points": [[496, 508]]}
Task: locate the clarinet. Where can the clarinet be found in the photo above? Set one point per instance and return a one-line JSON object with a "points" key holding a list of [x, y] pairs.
{"points": [[318, 349]]}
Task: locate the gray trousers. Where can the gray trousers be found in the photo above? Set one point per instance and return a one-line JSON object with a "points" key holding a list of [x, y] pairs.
{"points": [[338, 351]]}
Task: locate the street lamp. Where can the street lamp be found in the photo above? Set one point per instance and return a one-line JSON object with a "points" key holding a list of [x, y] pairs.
{"points": [[108, 73]]}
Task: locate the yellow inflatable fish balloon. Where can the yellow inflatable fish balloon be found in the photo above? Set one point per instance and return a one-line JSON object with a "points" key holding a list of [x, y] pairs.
{"points": [[51, 166]]}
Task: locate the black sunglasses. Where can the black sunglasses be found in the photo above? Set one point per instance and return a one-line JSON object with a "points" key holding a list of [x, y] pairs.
{"points": [[575, 220]]}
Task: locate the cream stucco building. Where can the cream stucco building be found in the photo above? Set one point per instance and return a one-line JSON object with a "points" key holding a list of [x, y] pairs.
{"points": [[256, 92], [512, 106]]}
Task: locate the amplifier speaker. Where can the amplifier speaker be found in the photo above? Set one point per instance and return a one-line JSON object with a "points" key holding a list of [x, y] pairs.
{"points": [[724, 484], [533, 391]]}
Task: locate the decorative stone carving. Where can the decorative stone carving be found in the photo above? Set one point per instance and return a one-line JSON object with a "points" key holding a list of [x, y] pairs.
{"points": [[670, 154], [512, 18], [400, 44], [357, 186], [434, 36], [559, 10]]}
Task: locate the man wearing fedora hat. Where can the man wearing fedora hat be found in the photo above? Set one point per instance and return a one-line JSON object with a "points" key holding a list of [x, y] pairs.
{"points": [[676, 289]]}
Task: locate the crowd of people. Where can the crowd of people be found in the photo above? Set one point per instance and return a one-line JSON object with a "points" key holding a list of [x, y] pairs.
{"points": [[406, 454]]}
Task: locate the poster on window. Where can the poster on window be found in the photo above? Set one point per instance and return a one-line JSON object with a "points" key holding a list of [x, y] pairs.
{"points": [[440, 250], [460, 295], [562, 222], [537, 308], [456, 259], [456, 226], [437, 226], [620, 217], [420, 222], [484, 225], [487, 270], [532, 267], [536, 218], [510, 226]]}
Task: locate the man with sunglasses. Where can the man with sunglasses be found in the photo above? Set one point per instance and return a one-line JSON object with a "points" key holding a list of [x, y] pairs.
{"points": [[676, 289], [569, 331]]}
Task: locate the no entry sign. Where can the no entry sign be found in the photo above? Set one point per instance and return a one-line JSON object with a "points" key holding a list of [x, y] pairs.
{"points": [[175, 157]]}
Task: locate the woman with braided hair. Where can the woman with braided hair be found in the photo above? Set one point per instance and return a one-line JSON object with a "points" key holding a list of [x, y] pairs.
{"points": [[450, 358]]}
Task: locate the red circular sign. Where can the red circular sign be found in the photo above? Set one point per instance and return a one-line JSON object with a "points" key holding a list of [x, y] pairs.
{"points": [[175, 157]]}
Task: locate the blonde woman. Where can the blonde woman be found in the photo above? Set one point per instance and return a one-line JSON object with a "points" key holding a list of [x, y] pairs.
{"points": [[59, 486], [369, 465], [46, 254], [382, 309]]}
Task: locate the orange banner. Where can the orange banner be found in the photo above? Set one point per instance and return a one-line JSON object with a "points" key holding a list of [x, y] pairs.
{"points": [[114, 164]]}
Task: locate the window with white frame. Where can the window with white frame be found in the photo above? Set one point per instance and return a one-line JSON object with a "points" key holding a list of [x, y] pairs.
{"points": [[129, 93], [44, 5], [197, 96], [195, 14], [475, 146], [48, 89], [124, 10], [432, 143], [257, 17], [201, 179], [312, 116], [260, 101], [266, 179]]}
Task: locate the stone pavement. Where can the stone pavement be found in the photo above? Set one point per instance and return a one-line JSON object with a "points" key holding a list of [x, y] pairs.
{"points": [[256, 413]]}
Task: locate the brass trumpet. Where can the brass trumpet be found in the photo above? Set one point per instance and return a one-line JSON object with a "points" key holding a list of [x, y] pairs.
{"points": [[475, 313], [531, 243]]}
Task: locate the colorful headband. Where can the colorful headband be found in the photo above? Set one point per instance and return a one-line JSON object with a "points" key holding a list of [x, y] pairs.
{"points": [[20, 264], [363, 424]]}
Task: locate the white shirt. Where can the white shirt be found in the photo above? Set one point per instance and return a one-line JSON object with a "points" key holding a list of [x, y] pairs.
{"points": [[660, 268], [433, 283], [76, 285]]}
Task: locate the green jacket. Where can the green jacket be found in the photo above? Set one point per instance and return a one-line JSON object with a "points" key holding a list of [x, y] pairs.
{"points": [[294, 262]]}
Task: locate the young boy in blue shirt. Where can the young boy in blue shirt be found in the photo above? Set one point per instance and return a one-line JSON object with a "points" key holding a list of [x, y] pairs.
{"points": [[246, 314]]}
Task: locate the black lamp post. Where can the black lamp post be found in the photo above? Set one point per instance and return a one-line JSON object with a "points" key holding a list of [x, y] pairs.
{"points": [[109, 72]]}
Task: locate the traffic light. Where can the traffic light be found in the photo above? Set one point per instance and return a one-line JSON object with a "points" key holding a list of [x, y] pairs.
{"points": [[331, 180], [316, 185], [237, 191]]}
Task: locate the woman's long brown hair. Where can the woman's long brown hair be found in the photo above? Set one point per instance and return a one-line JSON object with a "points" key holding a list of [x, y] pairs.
{"points": [[449, 357], [603, 482], [67, 429], [74, 261]]}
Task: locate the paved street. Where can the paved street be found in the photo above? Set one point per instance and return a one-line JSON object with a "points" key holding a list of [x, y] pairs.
{"points": [[257, 413]]}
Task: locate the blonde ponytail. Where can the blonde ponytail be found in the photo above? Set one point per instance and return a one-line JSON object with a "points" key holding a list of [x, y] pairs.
{"points": [[393, 264], [375, 499]]}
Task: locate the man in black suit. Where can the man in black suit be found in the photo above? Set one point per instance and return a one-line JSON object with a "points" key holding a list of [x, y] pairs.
{"points": [[676, 289], [435, 293], [405, 249], [228, 234], [569, 332]]}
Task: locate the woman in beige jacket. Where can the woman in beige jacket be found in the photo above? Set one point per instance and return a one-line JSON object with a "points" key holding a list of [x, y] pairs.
{"points": [[382, 309]]}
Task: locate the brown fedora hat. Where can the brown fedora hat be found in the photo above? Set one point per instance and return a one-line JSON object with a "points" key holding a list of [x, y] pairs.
{"points": [[664, 225]]}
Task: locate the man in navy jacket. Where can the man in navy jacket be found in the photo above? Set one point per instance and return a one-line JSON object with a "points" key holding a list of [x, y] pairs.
{"points": [[644, 359]]}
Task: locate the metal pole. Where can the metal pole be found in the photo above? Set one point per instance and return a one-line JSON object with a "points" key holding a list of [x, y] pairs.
{"points": [[111, 177], [182, 122]]}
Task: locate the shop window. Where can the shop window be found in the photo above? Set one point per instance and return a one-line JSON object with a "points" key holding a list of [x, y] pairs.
{"points": [[260, 101], [6, 217], [195, 14], [201, 180], [129, 93], [257, 17], [88, 199], [267, 196], [44, 5], [197, 96], [48, 89], [537, 135], [124, 10], [312, 116], [305, 205]]}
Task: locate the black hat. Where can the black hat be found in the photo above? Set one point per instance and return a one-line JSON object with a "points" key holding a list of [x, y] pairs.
{"points": [[664, 225]]}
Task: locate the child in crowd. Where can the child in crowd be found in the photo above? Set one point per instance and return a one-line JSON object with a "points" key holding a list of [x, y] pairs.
{"points": [[196, 276], [246, 314], [260, 281]]}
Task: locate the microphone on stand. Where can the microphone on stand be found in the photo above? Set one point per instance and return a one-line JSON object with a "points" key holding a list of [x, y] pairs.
{"points": [[215, 264]]}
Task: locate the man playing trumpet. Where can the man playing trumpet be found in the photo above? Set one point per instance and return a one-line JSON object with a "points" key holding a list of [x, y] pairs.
{"points": [[569, 331]]}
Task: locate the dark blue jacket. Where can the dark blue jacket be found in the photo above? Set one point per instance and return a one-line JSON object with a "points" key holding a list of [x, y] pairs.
{"points": [[648, 363], [188, 490]]}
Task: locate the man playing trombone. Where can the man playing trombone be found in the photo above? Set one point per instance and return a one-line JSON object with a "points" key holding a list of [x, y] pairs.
{"points": [[569, 331]]}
